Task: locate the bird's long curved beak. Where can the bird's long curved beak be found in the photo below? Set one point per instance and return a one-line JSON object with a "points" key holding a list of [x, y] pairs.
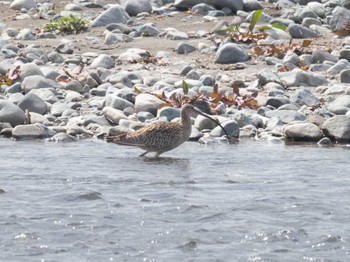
{"points": [[196, 110]]}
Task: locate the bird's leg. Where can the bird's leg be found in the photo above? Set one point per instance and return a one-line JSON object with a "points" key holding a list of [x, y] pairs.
{"points": [[157, 155], [144, 153]]}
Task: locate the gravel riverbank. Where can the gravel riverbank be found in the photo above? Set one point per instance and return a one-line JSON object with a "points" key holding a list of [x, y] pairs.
{"points": [[135, 61]]}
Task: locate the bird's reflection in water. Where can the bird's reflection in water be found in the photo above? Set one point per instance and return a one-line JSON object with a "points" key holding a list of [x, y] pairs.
{"points": [[165, 161]]}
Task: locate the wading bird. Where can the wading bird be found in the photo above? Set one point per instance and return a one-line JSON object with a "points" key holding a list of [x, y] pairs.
{"points": [[162, 136]]}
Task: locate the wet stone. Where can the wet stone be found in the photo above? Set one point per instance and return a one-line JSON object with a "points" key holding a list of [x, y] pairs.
{"points": [[33, 131], [345, 76], [303, 132]]}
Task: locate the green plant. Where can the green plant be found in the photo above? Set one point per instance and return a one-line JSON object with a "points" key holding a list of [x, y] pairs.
{"points": [[237, 35], [67, 24]]}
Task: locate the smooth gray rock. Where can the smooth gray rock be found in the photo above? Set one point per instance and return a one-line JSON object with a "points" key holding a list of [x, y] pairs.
{"points": [[125, 29], [299, 31], [276, 102], [19, 4], [306, 12], [148, 103], [29, 69], [286, 116], [252, 5], [72, 7], [291, 58], [231, 53], [303, 132], [15, 88], [75, 85], [10, 113], [134, 7], [273, 123], [117, 102], [55, 57], [345, 54], [308, 21], [304, 97], [320, 30], [58, 108], [233, 5], [33, 131], [319, 56], [112, 38], [49, 95], [341, 65], [242, 120], [65, 49], [266, 76], [231, 128], [202, 122], [114, 14], [202, 9], [147, 30], [299, 77], [103, 60], [340, 106], [318, 8], [14, 98], [95, 121], [33, 103], [169, 113], [305, 2], [184, 48], [174, 34], [36, 118], [113, 115], [340, 18], [144, 116], [345, 76], [37, 81], [338, 128], [216, 13]]}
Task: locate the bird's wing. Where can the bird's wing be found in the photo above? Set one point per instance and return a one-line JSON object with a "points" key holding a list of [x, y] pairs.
{"points": [[154, 135]]}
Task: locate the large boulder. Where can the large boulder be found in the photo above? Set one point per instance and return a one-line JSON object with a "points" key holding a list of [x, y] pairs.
{"points": [[340, 106], [134, 7], [298, 77], [33, 103], [114, 14], [340, 18], [19, 4], [36, 82], [33, 131], [338, 128], [231, 53], [303, 132], [10, 113]]}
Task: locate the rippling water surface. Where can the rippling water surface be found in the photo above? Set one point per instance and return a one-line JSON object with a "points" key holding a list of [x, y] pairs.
{"points": [[251, 201]]}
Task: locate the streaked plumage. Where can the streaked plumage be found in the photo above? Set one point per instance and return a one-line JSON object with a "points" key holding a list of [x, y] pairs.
{"points": [[162, 136]]}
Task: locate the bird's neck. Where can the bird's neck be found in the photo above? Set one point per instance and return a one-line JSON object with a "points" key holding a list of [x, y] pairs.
{"points": [[186, 122]]}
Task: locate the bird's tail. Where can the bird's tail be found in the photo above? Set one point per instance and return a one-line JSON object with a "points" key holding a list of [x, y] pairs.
{"points": [[115, 139]]}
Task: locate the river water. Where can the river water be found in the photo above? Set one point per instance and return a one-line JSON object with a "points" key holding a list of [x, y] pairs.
{"points": [[251, 201]]}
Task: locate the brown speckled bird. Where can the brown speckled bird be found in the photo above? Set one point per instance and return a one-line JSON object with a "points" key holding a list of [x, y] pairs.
{"points": [[162, 136]]}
